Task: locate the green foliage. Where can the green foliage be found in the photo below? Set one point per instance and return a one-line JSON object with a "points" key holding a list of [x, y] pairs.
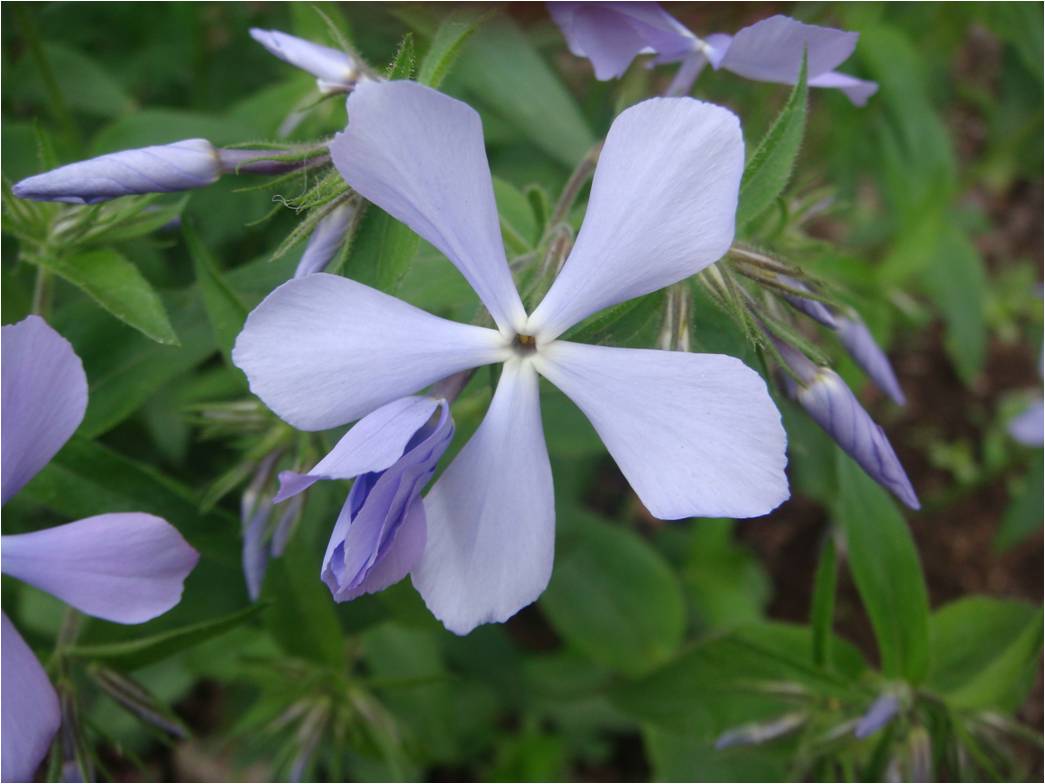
{"points": [[112, 281], [769, 168], [224, 309], [887, 572]]}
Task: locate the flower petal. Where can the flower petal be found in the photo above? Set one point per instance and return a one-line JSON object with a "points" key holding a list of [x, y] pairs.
{"points": [[856, 90], [771, 50], [612, 34], [1027, 427], [419, 156], [696, 435], [30, 713], [374, 443], [662, 207], [124, 567], [491, 515], [326, 240], [324, 350], [43, 400]]}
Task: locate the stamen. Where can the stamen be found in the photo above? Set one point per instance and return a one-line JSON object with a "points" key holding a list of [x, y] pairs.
{"points": [[524, 344]]}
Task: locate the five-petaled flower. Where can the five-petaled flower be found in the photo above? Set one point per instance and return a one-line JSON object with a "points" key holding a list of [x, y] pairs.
{"points": [[694, 434], [611, 35], [125, 567]]}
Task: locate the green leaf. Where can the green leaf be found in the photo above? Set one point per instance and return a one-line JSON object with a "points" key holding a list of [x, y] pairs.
{"points": [[402, 65], [117, 285], [518, 222], [456, 28], [501, 67], [957, 282], [985, 652], [613, 596], [163, 126], [382, 251], [824, 587], [86, 86], [618, 324], [769, 168], [132, 654], [885, 567], [224, 309]]}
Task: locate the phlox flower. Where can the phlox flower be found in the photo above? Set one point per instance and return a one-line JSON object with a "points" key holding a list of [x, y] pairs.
{"points": [[124, 567], [694, 434], [611, 35]]}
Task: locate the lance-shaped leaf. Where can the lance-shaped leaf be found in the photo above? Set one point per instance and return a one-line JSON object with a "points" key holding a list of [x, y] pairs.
{"points": [[132, 654], [888, 575], [447, 42], [768, 170], [116, 284], [225, 311]]}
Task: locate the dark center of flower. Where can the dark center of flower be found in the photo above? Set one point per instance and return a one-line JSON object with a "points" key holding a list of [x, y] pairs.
{"points": [[524, 344]]}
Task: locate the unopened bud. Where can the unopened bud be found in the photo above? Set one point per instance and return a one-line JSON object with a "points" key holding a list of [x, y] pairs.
{"points": [[760, 732], [878, 715], [1028, 427], [163, 168], [335, 71], [832, 405], [869, 356], [815, 309], [326, 239]]}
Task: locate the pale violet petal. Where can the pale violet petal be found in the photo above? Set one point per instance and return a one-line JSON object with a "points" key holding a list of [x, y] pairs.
{"points": [[856, 90], [125, 567], [43, 399], [696, 435], [771, 50], [491, 515], [1027, 427], [662, 207], [30, 714], [419, 156], [326, 239], [374, 443], [324, 350]]}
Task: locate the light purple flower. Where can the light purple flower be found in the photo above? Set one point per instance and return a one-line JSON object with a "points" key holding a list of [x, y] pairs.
{"points": [[381, 532], [832, 405], [124, 567], [326, 239], [335, 71], [696, 435], [861, 345], [611, 35], [880, 713], [193, 163]]}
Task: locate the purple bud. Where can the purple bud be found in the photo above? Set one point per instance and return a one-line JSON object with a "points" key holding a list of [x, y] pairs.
{"points": [[832, 405], [761, 732], [878, 715], [381, 532], [163, 168], [326, 239], [335, 71], [816, 310], [869, 356]]}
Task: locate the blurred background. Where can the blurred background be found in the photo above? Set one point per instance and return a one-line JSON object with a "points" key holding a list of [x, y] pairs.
{"points": [[930, 221]]}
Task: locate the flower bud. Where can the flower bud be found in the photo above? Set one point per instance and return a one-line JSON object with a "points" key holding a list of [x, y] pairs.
{"points": [[760, 732], [326, 239], [815, 309], [180, 166], [880, 713], [335, 71], [869, 356], [832, 405]]}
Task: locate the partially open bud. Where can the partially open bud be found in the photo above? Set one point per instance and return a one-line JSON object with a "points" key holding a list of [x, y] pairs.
{"points": [[164, 168], [832, 405], [335, 71], [326, 239], [857, 339]]}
